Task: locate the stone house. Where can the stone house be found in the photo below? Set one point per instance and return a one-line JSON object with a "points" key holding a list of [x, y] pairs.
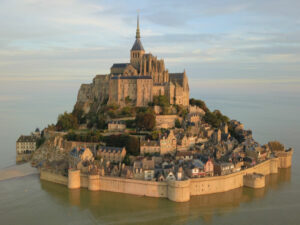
{"points": [[216, 136], [127, 172], [26, 144], [79, 156], [223, 168], [185, 142], [149, 174], [148, 163], [149, 146], [208, 167], [184, 155], [116, 125], [168, 144], [170, 176], [195, 169], [194, 118], [138, 172], [160, 177], [113, 154], [180, 174]]}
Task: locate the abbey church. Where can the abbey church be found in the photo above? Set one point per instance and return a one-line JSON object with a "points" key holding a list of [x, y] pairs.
{"points": [[137, 81]]}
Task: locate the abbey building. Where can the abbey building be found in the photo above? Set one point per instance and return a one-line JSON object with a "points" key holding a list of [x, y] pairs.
{"points": [[137, 81]]}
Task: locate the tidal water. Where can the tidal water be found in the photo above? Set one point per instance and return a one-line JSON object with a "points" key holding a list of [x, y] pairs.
{"points": [[272, 111]]}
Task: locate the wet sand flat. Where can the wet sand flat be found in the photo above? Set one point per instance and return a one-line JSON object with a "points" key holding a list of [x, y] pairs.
{"points": [[17, 171]]}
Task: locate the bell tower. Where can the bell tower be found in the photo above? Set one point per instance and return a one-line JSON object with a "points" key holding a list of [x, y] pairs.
{"points": [[137, 51]]}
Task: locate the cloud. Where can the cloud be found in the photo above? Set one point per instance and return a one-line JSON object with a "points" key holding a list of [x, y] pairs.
{"points": [[40, 38]]}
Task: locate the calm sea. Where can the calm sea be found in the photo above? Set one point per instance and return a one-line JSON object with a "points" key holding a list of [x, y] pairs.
{"points": [[272, 111]]}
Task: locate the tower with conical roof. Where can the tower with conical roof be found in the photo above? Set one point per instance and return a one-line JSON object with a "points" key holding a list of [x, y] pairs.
{"points": [[137, 51]]}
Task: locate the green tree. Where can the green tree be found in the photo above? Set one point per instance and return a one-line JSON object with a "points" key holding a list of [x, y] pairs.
{"points": [[128, 100], [177, 123], [145, 121], [131, 143], [276, 146], [40, 141], [66, 121], [101, 122], [215, 118], [161, 100], [79, 114], [130, 123], [201, 104], [126, 160]]}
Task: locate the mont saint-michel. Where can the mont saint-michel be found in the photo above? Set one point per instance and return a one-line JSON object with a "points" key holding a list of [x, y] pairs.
{"points": [[136, 130]]}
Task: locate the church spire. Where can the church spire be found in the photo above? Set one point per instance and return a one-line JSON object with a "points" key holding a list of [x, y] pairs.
{"points": [[138, 35], [137, 46]]}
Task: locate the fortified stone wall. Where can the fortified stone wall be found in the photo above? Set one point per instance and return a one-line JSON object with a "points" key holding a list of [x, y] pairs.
{"points": [[178, 191], [53, 177], [23, 157], [254, 180], [166, 121], [285, 158]]}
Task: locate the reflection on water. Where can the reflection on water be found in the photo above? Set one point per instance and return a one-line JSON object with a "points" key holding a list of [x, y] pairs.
{"points": [[115, 208]]}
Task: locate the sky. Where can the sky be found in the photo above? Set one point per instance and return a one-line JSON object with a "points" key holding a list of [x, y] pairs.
{"points": [[236, 42]]}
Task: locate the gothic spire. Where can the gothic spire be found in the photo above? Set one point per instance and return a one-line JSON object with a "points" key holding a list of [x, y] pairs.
{"points": [[138, 35], [137, 46]]}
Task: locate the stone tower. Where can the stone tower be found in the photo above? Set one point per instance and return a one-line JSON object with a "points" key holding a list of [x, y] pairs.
{"points": [[137, 50]]}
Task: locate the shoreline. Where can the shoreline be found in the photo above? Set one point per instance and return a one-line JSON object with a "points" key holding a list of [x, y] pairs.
{"points": [[17, 171]]}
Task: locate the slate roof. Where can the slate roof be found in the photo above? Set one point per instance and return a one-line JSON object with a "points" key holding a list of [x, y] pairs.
{"points": [[149, 143], [119, 65], [137, 46], [131, 77], [75, 152], [176, 75], [177, 78], [116, 122], [109, 149], [29, 138]]}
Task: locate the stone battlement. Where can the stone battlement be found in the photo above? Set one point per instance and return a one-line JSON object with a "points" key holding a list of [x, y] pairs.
{"points": [[178, 191]]}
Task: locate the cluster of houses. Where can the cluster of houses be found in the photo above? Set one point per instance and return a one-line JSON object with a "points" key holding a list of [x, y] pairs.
{"points": [[193, 151]]}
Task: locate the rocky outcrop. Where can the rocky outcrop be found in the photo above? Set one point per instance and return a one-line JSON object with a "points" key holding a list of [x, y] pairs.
{"points": [[56, 149], [91, 96]]}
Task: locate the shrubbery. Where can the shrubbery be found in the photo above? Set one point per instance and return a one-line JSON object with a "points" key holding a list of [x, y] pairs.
{"points": [[201, 104], [145, 121], [215, 118], [91, 136], [131, 143], [66, 121], [177, 123], [276, 146], [161, 100]]}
